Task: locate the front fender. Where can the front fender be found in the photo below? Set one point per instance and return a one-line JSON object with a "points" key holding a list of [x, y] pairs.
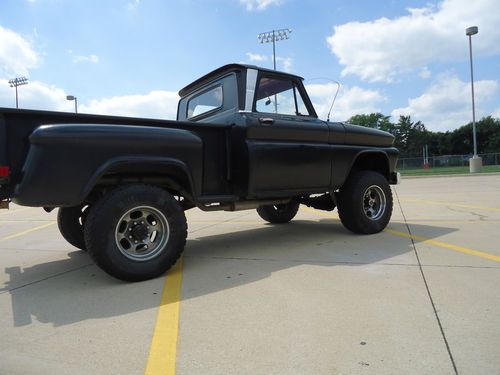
{"points": [[348, 157]]}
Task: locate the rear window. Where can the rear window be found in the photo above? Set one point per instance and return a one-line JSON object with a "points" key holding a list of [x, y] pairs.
{"points": [[205, 102]]}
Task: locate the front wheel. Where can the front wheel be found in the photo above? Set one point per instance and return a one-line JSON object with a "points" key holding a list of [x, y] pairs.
{"points": [[279, 213], [365, 202], [136, 232]]}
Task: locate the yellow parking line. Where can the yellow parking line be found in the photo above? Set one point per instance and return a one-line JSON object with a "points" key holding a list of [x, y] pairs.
{"points": [[445, 245], [450, 204], [15, 235], [163, 350]]}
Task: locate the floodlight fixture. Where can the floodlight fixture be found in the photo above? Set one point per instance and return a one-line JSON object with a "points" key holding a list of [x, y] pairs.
{"points": [[473, 30], [274, 36], [15, 82]]}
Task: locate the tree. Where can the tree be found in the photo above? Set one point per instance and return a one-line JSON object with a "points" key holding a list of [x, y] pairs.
{"points": [[411, 137], [372, 120]]}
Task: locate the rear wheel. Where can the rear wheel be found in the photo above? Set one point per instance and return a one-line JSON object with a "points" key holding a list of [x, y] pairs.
{"points": [[279, 213], [136, 232], [365, 203], [70, 222]]}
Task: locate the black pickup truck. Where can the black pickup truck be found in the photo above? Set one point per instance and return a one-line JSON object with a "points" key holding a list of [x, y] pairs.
{"points": [[245, 138]]}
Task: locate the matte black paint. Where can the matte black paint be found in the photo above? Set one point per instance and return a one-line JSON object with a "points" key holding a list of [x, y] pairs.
{"points": [[57, 159]]}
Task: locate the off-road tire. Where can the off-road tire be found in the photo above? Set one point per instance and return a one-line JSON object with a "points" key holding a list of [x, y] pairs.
{"points": [[365, 202], [279, 213], [70, 221], [111, 218]]}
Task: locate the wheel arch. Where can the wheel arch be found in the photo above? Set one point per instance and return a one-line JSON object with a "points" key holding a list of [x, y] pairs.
{"points": [[376, 161], [170, 173]]}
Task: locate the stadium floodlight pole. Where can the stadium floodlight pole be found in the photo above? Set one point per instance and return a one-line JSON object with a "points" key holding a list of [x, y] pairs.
{"points": [[71, 97], [274, 36], [15, 82], [475, 162]]}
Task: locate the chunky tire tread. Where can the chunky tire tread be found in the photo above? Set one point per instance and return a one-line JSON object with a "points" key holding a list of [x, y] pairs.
{"points": [[278, 214], [100, 227], [350, 203], [68, 221]]}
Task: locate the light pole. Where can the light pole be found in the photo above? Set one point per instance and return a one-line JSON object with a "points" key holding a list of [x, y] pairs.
{"points": [[475, 162], [71, 97], [274, 36], [19, 81]]}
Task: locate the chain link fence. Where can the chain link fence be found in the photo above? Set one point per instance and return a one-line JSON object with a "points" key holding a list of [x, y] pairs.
{"points": [[438, 161]]}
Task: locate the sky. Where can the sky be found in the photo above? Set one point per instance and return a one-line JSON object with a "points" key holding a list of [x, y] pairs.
{"points": [[131, 57]]}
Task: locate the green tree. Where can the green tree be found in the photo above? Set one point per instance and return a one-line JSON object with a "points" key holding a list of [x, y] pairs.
{"points": [[411, 137], [372, 120]]}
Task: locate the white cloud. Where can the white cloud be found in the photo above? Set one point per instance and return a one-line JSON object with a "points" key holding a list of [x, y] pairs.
{"points": [[349, 102], [425, 73], [286, 63], [382, 49], [259, 4], [90, 58], [17, 56], [446, 104], [496, 113], [156, 104], [38, 95], [132, 5], [34, 95], [256, 57]]}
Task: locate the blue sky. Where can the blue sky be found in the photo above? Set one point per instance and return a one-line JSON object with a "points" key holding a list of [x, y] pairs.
{"points": [[131, 57]]}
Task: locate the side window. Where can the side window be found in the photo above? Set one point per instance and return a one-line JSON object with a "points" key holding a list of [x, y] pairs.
{"points": [[279, 96], [205, 102]]}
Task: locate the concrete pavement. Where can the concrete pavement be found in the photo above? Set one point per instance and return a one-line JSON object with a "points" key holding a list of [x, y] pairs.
{"points": [[303, 298]]}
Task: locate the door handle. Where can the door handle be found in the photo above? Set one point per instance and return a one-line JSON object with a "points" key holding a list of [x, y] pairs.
{"points": [[266, 120]]}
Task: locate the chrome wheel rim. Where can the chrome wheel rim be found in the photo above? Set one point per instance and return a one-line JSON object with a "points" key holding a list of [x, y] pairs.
{"points": [[374, 202], [142, 233]]}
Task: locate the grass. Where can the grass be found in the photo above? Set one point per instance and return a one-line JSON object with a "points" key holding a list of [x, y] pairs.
{"points": [[447, 170]]}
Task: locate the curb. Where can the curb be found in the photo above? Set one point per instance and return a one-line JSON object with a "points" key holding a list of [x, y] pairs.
{"points": [[403, 177]]}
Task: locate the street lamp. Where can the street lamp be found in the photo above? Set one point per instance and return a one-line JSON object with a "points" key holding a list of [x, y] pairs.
{"points": [[19, 81], [475, 162], [274, 36], [71, 97]]}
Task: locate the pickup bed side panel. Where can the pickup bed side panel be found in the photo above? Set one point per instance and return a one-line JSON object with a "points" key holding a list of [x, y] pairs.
{"points": [[67, 159]]}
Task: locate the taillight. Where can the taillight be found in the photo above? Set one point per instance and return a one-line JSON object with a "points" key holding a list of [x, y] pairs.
{"points": [[4, 171]]}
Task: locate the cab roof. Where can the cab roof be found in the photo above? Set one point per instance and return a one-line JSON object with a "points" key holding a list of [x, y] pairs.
{"points": [[224, 70]]}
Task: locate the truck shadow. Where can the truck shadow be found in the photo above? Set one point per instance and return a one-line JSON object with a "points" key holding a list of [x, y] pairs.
{"points": [[74, 289]]}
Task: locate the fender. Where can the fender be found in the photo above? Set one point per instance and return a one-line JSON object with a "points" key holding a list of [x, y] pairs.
{"points": [[69, 159], [346, 158], [164, 166]]}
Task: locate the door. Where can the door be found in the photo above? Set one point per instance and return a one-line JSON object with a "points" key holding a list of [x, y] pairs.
{"points": [[288, 146]]}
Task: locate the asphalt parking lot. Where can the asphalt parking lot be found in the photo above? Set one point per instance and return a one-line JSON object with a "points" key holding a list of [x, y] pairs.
{"points": [[308, 297]]}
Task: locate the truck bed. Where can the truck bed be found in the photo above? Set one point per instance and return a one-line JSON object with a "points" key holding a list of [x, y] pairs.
{"points": [[16, 126]]}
